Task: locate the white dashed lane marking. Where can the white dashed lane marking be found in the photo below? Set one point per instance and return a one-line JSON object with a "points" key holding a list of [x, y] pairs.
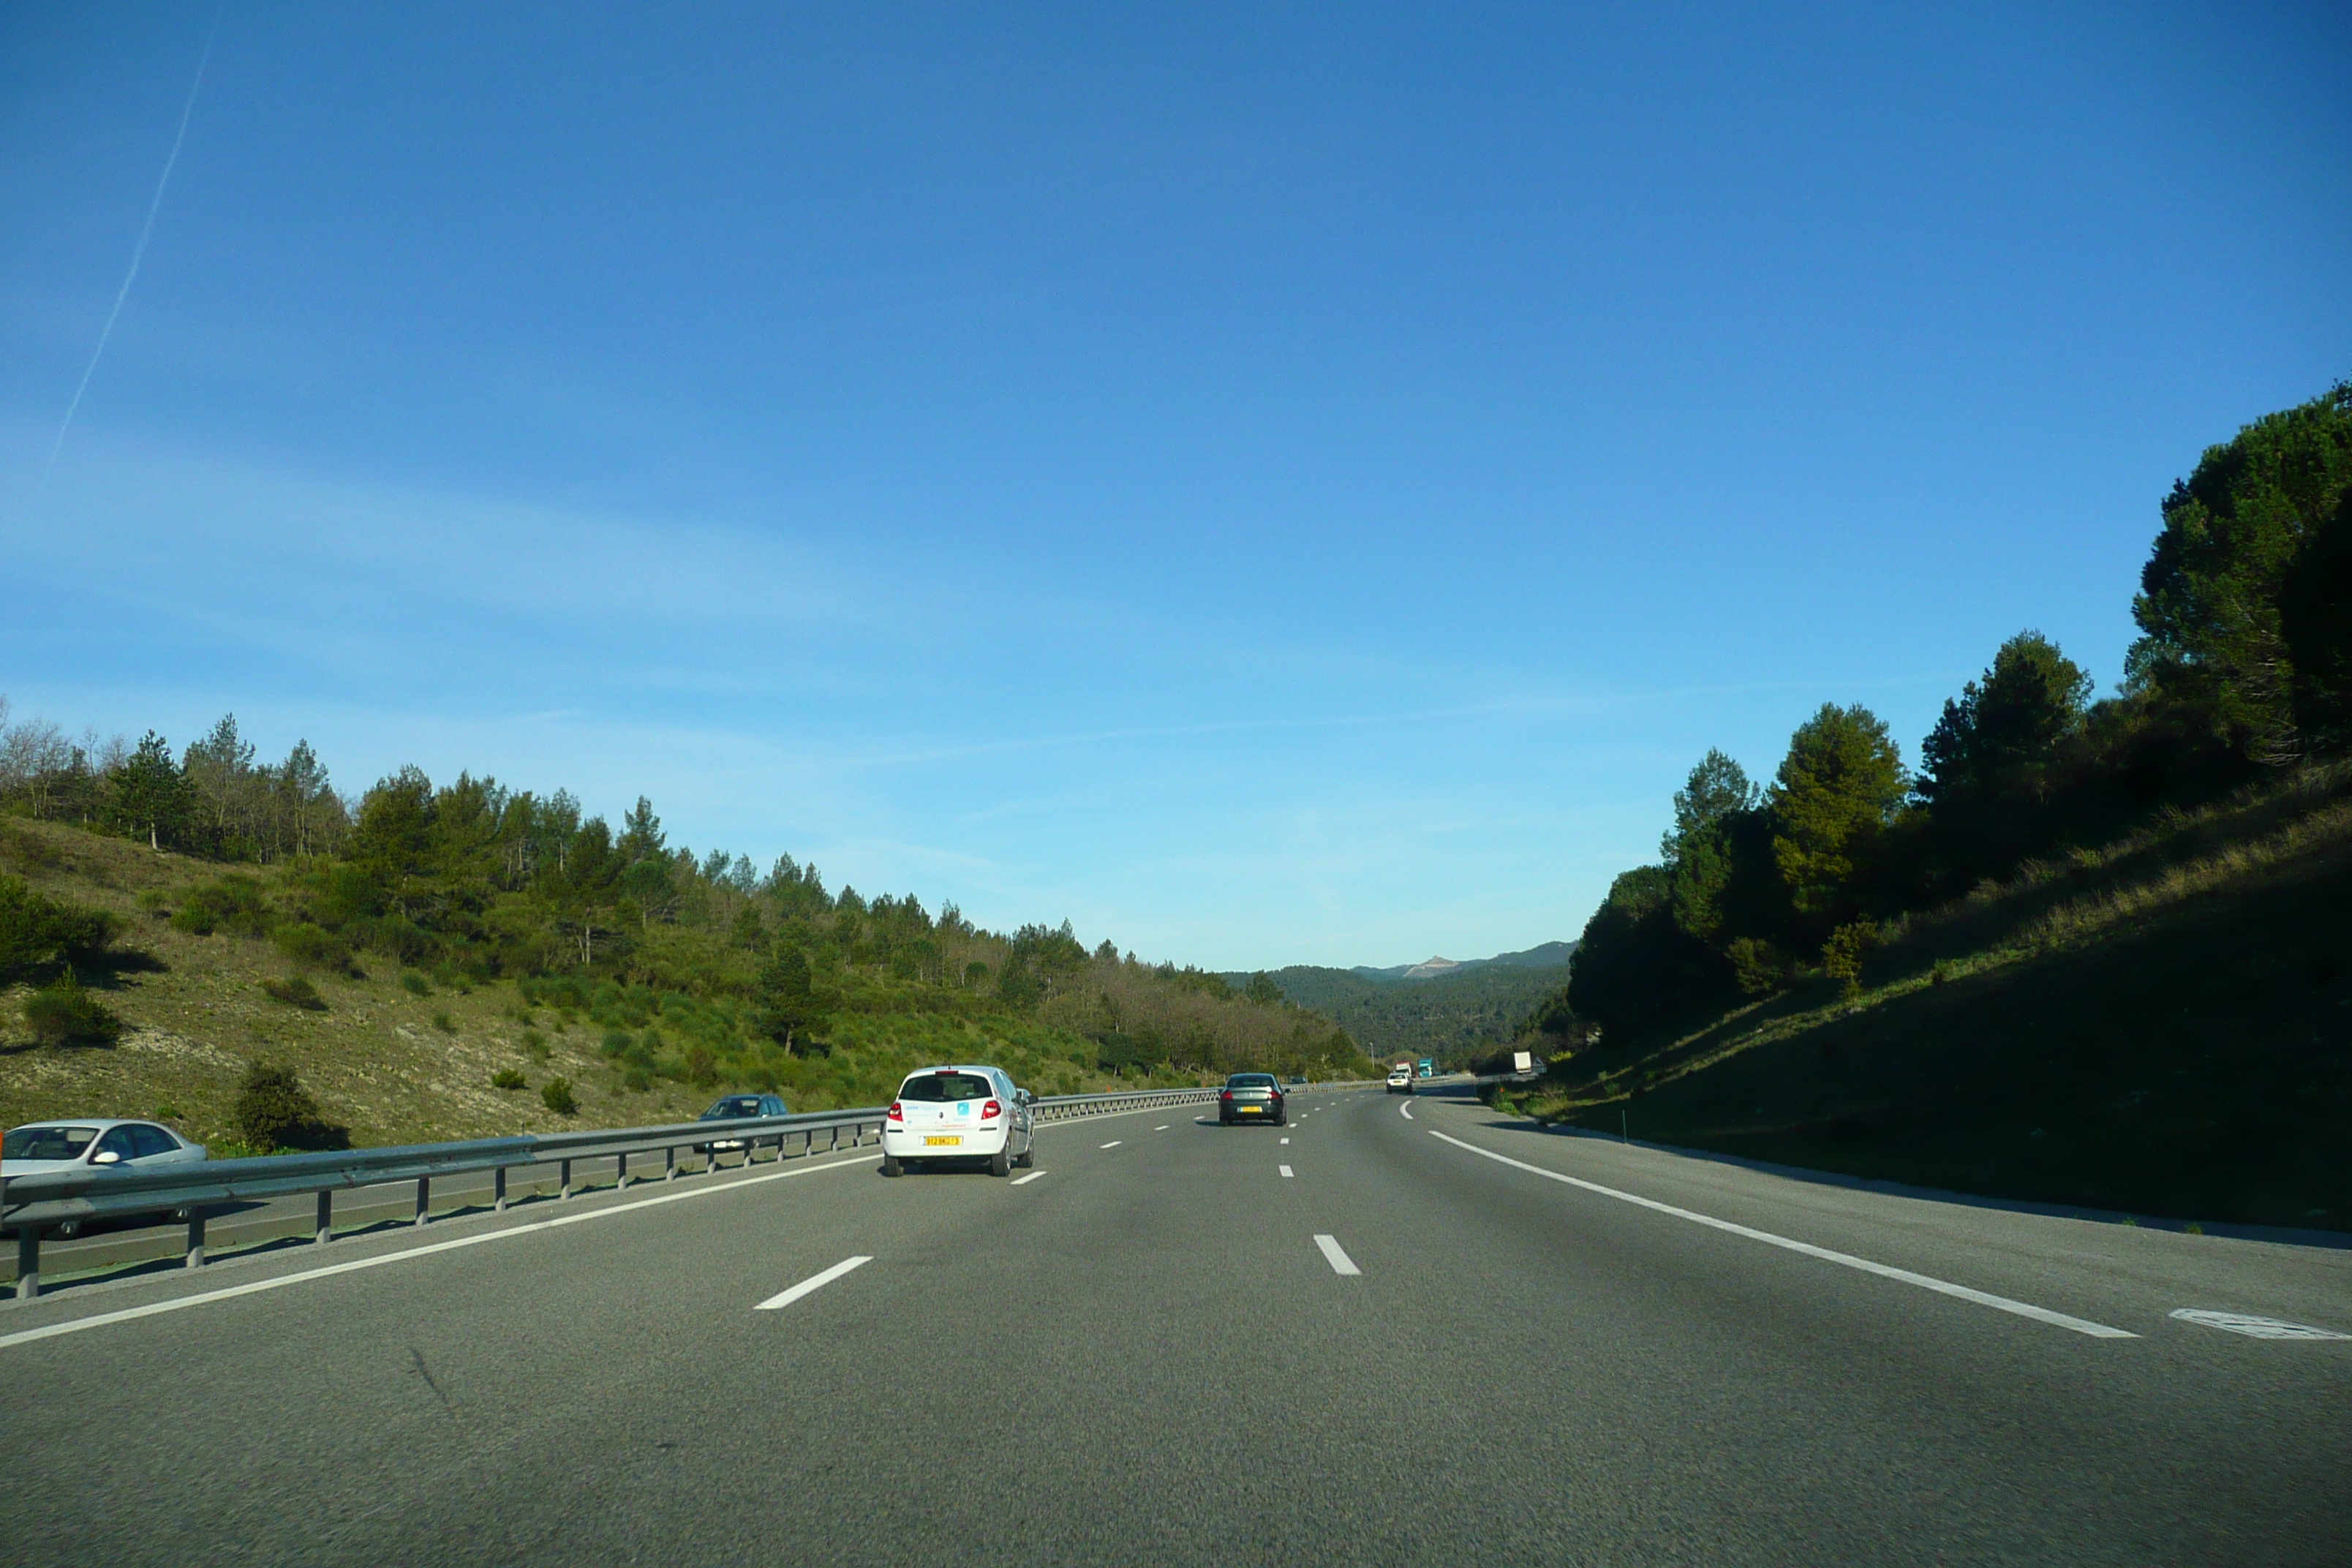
{"points": [[1030, 1178], [814, 1282], [2256, 1328], [1284, 1169], [1114, 1142], [1286, 1139], [1336, 1256], [1161, 1128]]}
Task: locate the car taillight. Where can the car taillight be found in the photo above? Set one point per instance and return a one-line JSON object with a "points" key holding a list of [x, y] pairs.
{"points": [[1227, 1095], [896, 1114], [991, 1108]]}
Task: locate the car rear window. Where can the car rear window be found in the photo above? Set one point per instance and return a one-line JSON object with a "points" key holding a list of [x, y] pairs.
{"points": [[46, 1143], [1250, 1080], [946, 1086], [743, 1105]]}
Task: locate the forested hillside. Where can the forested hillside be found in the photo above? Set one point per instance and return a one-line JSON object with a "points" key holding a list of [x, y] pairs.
{"points": [[2037, 824], [239, 908], [1459, 1017]]}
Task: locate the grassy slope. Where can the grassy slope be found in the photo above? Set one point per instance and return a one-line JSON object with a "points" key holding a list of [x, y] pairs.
{"points": [[1463, 1013], [2164, 1027], [374, 1059]]}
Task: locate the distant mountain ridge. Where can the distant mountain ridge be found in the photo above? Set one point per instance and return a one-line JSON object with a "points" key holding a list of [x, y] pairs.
{"points": [[1543, 955], [1458, 1011]]}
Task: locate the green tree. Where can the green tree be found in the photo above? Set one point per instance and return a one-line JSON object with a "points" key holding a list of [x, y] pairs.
{"points": [[1263, 990], [2210, 607], [1699, 847], [150, 794], [2315, 615], [1999, 736], [1840, 785], [787, 997]]}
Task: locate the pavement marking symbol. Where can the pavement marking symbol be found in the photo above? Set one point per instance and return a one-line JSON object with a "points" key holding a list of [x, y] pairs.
{"points": [[2255, 1328], [1406, 1109], [1332, 1254], [1030, 1178], [1285, 1170], [814, 1282], [1114, 1142], [480, 1238], [1883, 1270]]}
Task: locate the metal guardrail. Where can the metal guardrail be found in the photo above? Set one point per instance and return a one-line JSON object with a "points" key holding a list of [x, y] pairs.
{"points": [[35, 1205]]}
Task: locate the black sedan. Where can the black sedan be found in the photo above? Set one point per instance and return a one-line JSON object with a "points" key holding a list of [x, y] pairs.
{"points": [[1251, 1097], [735, 1106]]}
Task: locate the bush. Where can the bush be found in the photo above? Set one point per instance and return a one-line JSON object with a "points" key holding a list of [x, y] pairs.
{"points": [[61, 1013], [507, 1079], [274, 1111], [535, 1044], [1841, 956], [312, 947], [442, 1022], [557, 1096], [232, 903], [295, 993], [415, 985], [37, 930]]}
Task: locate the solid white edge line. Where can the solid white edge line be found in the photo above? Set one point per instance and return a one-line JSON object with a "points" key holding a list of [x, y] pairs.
{"points": [[1336, 1255], [814, 1282], [1883, 1270], [1030, 1178], [534, 1227]]}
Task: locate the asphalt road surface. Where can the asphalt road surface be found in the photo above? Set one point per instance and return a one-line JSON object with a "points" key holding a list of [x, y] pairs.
{"points": [[1398, 1336]]}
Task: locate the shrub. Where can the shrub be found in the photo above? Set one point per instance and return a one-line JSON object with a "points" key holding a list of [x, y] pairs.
{"points": [[557, 1096], [232, 903], [1841, 956], [167, 1111], [274, 1111], [507, 1079], [312, 947], [37, 930], [535, 1044], [442, 1022], [415, 985], [61, 1013], [295, 993]]}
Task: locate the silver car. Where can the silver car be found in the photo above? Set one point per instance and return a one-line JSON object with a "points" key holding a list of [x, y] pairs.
{"points": [[83, 1143]]}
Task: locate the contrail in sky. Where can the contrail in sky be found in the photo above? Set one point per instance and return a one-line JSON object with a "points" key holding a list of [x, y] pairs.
{"points": [[139, 251]]}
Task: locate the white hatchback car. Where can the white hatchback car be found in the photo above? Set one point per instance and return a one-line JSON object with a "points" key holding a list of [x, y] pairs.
{"points": [[92, 1142], [958, 1114]]}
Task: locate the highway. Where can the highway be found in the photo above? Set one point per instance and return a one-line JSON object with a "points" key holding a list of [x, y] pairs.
{"points": [[1392, 1333]]}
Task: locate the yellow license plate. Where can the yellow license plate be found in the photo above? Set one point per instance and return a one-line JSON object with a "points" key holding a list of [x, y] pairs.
{"points": [[1250, 1109], [935, 1142]]}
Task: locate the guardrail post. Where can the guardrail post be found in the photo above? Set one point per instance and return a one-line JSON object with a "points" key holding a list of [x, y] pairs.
{"points": [[326, 1215], [499, 1189], [565, 1190], [28, 1263], [621, 1169], [424, 1197], [835, 1143], [669, 1163], [195, 1259]]}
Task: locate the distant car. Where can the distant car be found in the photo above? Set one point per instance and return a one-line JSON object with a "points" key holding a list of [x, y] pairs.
{"points": [[1401, 1079], [1252, 1097], [735, 1107], [100, 1143], [954, 1114], [1297, 1078]]}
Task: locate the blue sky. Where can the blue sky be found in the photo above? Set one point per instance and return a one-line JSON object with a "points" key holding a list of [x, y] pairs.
{"points": [[1268, 484]]}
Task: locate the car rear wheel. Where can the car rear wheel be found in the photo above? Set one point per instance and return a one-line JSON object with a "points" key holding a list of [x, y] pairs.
{"points": [[1028, 1155], [1000, 1163], [891, 1166]]}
